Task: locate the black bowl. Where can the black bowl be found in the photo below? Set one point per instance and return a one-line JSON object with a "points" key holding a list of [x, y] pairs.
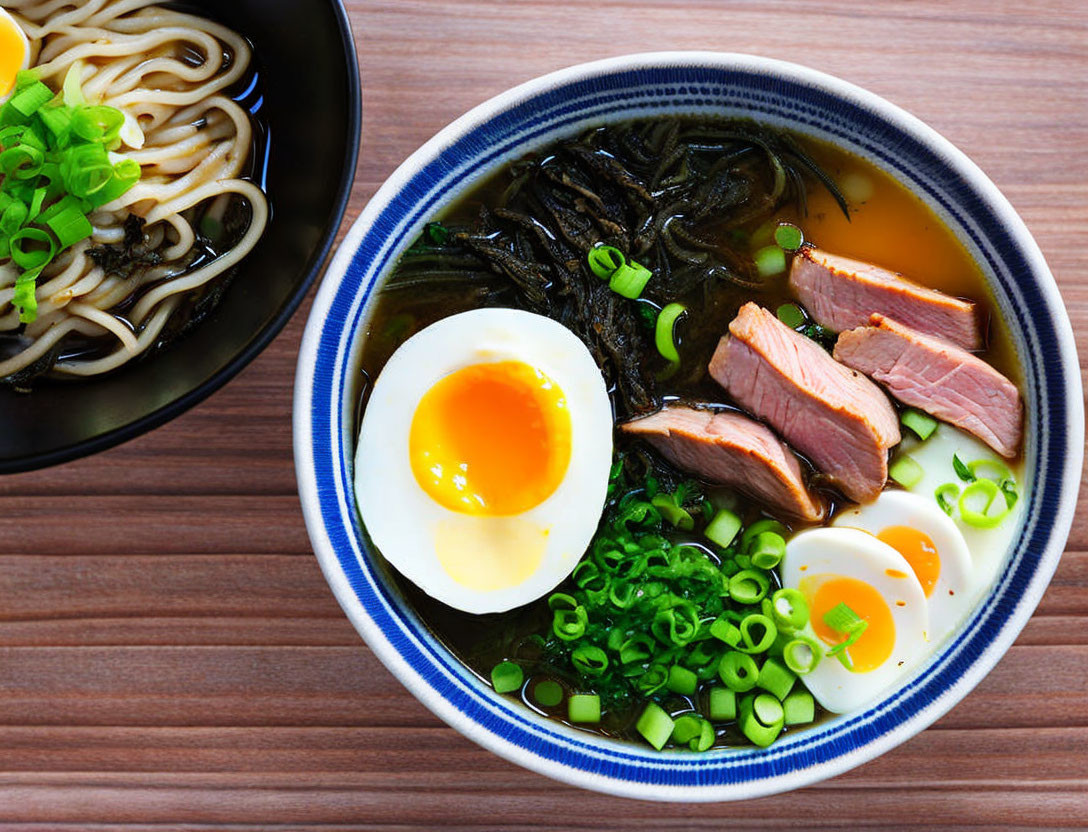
{"points": [[305, 56]]}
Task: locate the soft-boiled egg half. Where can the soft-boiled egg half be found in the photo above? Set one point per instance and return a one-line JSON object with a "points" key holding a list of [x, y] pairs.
{"points": [[833, 566], [14, 53], [929, 541], [483, 458]]}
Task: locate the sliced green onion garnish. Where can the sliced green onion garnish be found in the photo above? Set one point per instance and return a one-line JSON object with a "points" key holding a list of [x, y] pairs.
{"points": [[754, 728], [506, 677], [749, 586], [685, 728], [765, 524], [921, 423], [906, 471], [757, 633], [789, 609], [655, 726], [722, 704], [802, 655], [723, 528], [706, 737], [682, 681], [724, 630], [990, 469], [798, 708], [589, 660], [962, 469], [674, 514], [976, 503], [946, 496], [791, 315], [842, 619], [770, 261], [629, 280], [584, 707], [738, 671], [776, 678], [788, 237], [605, 260], [548, 693], [664, 332], [767, 550]]}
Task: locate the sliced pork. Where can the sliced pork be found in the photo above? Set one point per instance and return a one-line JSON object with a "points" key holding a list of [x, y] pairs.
{"points": [[731, 449], [841, 294], [834, 415], [939, 378]]}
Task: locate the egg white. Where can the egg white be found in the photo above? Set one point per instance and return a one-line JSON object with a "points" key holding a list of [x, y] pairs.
{"points": [[989, 548], [856, 554], [950, 600], [407, 525]]}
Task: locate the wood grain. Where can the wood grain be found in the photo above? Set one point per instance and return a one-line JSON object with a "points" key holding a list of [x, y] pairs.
{"points": [[171, 658]]}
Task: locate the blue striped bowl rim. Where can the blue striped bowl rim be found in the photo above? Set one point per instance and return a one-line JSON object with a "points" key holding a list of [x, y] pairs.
{"points": [[685, 82]]}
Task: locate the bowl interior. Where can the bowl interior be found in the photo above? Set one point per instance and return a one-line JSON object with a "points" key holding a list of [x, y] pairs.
{"points": [[771, 92], [305, 59]]}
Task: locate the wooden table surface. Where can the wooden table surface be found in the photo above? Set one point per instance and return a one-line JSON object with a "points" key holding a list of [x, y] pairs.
{"points": [[171, 658]]}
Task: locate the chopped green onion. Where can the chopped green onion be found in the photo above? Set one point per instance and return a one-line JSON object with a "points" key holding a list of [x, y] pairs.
{"points": [[506, 677], [749, 586], [724, 630], [798, 708], [946, 496], [998, 470], [723, 704], [963, 471], [788, 237], [765, 524], [767, 550], [653, 680], [723, 528], [789, 609], [664, 332], [72, 89], [589, 660], [770, 261], [757, 633], [686, 728], [775, 677], [682, 681], [921, 423], [70, 225], [31, 98], [584, 707], [548, 693], [674, 514], [638, 648], [629, 280], [655, 726], [802, 655], [768, 709], [706, 737], [605, 260], [791, 315], [842, 619], [759, 732], [738, 671], [976, 501], [906, 471]]}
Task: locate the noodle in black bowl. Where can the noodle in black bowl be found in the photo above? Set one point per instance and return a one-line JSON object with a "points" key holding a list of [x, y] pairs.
{"points": [[190, 272]]}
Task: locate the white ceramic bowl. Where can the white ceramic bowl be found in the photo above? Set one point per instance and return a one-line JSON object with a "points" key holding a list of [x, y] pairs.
{"points": [[561, 104]]}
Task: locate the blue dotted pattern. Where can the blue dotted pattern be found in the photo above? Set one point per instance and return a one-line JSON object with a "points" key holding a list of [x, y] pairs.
{"points": [[628, 93]]}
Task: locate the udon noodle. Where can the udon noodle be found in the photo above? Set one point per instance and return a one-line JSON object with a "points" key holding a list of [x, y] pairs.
{"points": [[168, 73]]}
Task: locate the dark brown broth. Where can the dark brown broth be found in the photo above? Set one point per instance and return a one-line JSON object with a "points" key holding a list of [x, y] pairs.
{"points": [[892, 228]]}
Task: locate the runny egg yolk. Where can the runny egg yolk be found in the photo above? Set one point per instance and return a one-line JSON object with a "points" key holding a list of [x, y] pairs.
{"points": [[491, 439], [12, 53], [918, 550], [825, 592]]}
